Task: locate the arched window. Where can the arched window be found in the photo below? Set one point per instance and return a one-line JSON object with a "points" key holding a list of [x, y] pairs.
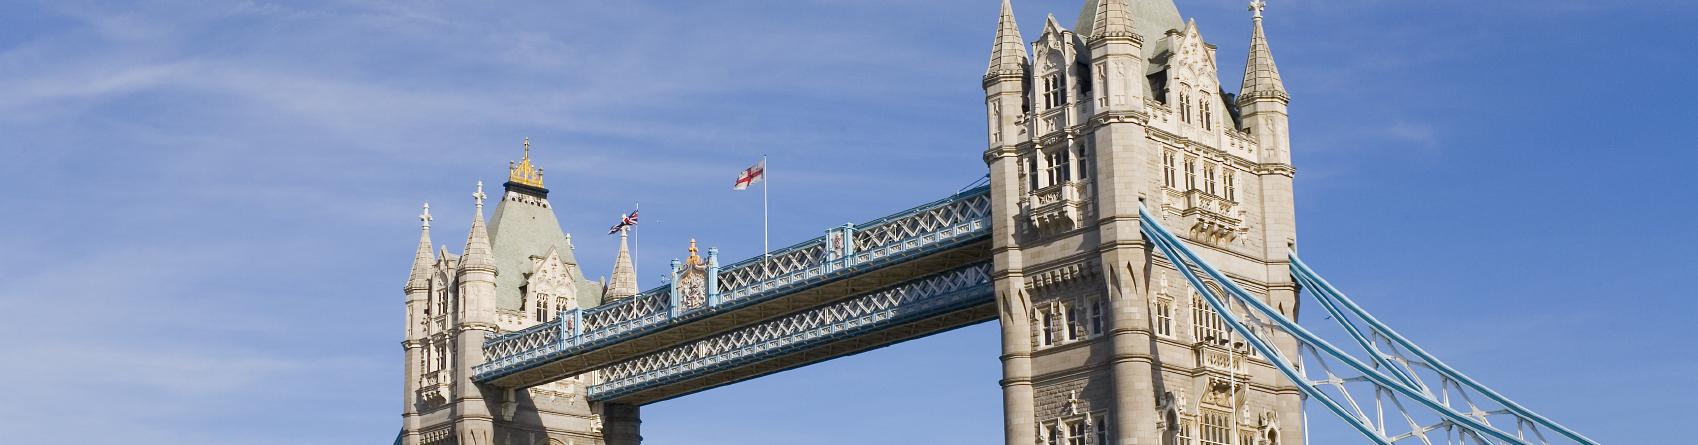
{"points": [[1190, 174], [1185, 107], [1032, 172], [1231, 177], [1064, 165], [1206, 324], [1208, 114], [1168, 166], [542, 308], [1084, 161], [1209, 178], [1052, 91]]}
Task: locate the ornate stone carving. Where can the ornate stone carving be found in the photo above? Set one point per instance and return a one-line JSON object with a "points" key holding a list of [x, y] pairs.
{"points": [[1060, 207]]}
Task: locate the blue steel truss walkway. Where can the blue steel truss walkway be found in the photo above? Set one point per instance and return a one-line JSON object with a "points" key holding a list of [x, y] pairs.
{"points": [[912, 268]]}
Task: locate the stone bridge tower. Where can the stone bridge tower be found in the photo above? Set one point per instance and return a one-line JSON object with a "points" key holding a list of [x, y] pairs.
{"points": [[1103, 342], [517, 270]]}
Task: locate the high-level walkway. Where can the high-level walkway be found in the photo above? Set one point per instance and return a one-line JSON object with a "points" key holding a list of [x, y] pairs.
{"points": [[860, 286]]}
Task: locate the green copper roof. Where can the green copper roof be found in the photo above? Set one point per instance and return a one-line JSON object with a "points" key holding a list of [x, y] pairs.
{"points": [[524, 226]]}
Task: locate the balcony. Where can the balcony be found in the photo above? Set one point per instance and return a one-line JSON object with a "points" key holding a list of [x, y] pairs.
{"points": [[1220, 360], [1211, 219], [1058, 208], [433, 387]]}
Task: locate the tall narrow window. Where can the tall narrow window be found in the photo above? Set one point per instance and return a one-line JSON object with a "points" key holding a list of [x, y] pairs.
{"points": [[542, 308], [1048, 327], [1054, 436], [1167, 168], [1050, 170], [1032, 172], [1186, 431], [1190, 174], [1064, 165], [1164, 317], [1209, 178], [1185, 107], [1076, 432], [1231, 177], [1096, 315], [1206, 324], [1052, 91], [1217, 429], [1100, 422], [1208, 116], [1084, 162], [1072, 323], [442, 302]]}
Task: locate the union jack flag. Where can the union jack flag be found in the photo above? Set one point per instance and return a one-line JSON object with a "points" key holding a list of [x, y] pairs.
{"points": [[624, 221]]}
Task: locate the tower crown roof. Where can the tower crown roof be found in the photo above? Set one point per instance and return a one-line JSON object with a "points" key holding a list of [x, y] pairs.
{"points": [[524, 172]]}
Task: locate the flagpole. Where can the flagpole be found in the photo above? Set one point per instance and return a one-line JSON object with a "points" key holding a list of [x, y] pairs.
{"points": [[766, 247]]}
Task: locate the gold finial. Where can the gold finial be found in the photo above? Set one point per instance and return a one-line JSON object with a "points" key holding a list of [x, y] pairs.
{"points": [[525, 172], [694, 259]]}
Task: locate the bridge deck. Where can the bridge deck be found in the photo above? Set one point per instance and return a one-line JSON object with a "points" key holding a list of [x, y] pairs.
{"points": [[928, 239], [916, 308]]}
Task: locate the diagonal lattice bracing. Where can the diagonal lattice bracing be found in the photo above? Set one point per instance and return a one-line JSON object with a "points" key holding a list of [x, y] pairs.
{"points": [[1385, 397], [881, 309], [1425, 372], [934, 227]]}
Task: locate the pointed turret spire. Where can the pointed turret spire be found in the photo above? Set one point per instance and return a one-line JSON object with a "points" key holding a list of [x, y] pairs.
{"points": [[624, 283], [478, 253], [1112, 19], [1008, 55], [420, 278], [1261, 76]]}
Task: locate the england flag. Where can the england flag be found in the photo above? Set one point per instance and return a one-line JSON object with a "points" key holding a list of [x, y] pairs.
{"points": [[751, 176]]}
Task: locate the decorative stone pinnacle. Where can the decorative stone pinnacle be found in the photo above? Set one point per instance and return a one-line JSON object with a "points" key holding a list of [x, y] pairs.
{"points": [[479, 196], [1257, 6], [425, 217]]}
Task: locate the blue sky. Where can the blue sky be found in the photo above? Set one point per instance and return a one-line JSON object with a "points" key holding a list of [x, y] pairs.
{"points": [[210, 205]]}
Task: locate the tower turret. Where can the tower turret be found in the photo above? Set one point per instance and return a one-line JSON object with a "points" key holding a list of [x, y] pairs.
{"points": [[624, 282], [1005, 81], [1263, 103], [477, 269], [476, 322], [1263, 99], [418, 300], [1116, 65]]}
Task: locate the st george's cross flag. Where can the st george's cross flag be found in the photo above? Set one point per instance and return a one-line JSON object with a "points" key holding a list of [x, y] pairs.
{"points": [[751, 176], [624, 221]]}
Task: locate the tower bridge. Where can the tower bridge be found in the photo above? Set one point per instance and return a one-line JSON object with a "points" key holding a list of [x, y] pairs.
{"points": [[1136, 244]]}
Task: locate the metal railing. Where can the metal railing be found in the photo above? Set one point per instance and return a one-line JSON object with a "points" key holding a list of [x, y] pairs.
{"points": [[844, 251]]}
